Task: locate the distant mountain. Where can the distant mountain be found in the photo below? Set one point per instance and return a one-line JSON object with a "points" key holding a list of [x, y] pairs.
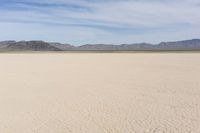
{"points": [[185, 45], [62, 46], [179, 45], [193, 44], [4, 44], [97, 47], [27, 46], [110, 47]]}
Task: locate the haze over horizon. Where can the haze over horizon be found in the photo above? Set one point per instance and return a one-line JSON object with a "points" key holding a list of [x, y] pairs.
{"points": [[99, 21]]}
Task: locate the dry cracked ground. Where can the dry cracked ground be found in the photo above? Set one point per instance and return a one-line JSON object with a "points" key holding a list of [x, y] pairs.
{"points": [[100, 93]]}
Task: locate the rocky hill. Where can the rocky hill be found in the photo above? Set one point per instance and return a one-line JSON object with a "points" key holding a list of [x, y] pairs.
{"points": [[27, 46]]}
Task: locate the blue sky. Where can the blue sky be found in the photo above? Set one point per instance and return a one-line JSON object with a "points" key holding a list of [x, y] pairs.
{"points": [[99, 21]]}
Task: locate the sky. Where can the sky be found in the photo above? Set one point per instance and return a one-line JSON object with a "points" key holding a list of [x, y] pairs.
{"points": [[99, 21]]}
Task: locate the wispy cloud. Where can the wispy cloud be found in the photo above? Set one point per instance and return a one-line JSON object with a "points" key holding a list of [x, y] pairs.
{"points": [[99, 21]]}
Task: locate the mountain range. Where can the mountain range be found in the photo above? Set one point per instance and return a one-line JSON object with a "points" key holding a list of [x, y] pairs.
{"points": [[186, 45]]}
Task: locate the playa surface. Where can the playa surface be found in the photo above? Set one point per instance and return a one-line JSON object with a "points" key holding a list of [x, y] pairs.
{"points": [[100, 93]]}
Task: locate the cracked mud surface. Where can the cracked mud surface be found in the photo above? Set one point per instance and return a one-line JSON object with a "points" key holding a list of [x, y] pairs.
{"points": [[100, 93]]}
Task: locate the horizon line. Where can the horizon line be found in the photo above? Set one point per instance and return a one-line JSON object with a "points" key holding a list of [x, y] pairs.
{"points": [[100, 43]]}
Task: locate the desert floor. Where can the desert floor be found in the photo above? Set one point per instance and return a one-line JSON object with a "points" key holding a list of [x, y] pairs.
{"points": [[100, 93]]}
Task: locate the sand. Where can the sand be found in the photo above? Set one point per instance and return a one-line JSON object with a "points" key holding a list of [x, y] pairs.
{"points": [[100, 93]]}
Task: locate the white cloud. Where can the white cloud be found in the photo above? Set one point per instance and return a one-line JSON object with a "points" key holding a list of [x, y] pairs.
{"points": [[111, 21]]}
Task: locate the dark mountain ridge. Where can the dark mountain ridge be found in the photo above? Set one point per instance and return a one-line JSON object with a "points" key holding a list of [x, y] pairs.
{"points": [[185, 45], [27, 46]]}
